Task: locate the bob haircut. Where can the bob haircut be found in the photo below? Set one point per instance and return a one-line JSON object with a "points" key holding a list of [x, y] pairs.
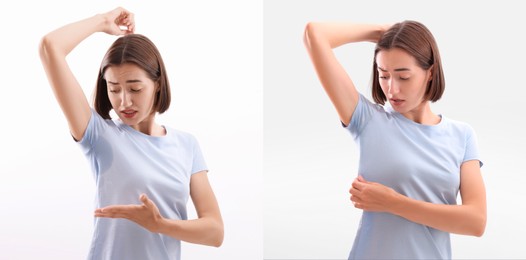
{"points": [[139, 50], [415, 39]]}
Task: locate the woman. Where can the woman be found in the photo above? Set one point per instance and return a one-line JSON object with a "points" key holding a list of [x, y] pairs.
{"points": [[412, 162], [134, 159]]}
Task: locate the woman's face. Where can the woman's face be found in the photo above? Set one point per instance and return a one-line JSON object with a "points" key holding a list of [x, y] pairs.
{"points": [[402, 80], [131, 93]]}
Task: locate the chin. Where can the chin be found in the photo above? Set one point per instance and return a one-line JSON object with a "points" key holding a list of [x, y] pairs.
{"points": [[128, 121]]}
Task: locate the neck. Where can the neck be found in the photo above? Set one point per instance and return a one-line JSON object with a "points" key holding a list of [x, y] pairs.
{"points": [[423, 115], [149, 127]]}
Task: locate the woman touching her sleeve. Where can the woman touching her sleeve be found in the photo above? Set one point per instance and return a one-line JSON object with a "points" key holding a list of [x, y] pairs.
{"points": [[413, 162], [144, 171]]}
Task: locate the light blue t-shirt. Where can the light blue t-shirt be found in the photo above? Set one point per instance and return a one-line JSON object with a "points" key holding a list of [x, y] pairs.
{"points": [[126, 163], [419, 161]]}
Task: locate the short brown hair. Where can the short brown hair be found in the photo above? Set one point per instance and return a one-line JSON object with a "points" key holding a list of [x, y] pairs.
{"points": [[139, 50], [414, 38]]}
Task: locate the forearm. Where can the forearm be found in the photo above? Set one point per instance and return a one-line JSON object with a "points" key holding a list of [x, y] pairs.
{"points": [[337, 34], [459, 219], [64, 39], [205, 231]]}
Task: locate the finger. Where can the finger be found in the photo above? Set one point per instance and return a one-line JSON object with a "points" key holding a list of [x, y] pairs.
{"points": [[358, 205], [357, 199], [361, 178], [107, 214], [124, 211], [358, 185], [131, 24], [353, 191], [120, 209], [148, 203], [145, 200], [111, 215], [131, 19]]}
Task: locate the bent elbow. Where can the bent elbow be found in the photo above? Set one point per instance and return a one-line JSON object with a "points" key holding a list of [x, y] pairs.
{"points": [[220, 236], [479, 227], [309, 34], [479, 231], [217, 234], [43, 46], [218, 242], [49, 50]]}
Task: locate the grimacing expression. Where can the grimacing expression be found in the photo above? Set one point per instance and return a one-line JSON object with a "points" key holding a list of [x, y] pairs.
{"points": [[131, 93], [403, 82]]}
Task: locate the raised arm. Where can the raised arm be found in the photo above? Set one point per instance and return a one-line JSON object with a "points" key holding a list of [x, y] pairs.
{"points": [[320, 39], [55, 46]]}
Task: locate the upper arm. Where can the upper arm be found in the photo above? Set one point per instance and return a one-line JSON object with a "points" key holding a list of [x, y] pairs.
{"points": [[335, 80], [67, 90], [203, 196], [472, 190]]}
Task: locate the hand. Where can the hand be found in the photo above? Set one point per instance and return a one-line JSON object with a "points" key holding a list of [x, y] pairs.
{"points": [[386, 26], [372, 196], [147, 215], [119, 22]]}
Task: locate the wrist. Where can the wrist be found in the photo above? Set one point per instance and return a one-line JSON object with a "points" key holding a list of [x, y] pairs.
{"points": [[377, 32], [160, 225], [167, 226], [101, 22], [397, 203]]}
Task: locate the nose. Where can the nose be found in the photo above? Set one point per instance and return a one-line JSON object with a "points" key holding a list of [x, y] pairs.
{"points": [[393, 88], [125, 99]]}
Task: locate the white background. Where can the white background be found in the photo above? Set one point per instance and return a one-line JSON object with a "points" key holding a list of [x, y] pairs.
{"points": [[213, 54], [310, 161]]}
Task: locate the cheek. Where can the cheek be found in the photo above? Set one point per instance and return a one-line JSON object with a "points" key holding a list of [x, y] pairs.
{"points": [[146, 99], [384, 86], [114, 99]]}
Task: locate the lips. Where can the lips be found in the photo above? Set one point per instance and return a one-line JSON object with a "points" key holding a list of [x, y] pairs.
{"points": [[396, 101], [128, 113]]}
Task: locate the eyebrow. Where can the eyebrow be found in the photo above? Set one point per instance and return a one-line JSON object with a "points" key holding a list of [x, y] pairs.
{"points": [[127, 81], [399, 69]]}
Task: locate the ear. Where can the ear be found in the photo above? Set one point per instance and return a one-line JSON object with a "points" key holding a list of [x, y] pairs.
{"points": [[430, 73]]}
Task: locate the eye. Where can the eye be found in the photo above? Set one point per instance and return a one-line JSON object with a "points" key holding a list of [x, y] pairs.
{"points": [[383, 77], [135, 90], [402, 78], [114, 90]]}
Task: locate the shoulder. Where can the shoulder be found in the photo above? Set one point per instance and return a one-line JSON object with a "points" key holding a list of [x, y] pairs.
{"points": [[459, 127], [98, 119], [365, 102], [367, 108], [365, 112], [180, 135], [97, 126]]}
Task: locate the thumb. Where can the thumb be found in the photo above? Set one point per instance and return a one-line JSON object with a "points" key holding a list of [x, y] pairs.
{"points": [[361, 178], [144, 199]]}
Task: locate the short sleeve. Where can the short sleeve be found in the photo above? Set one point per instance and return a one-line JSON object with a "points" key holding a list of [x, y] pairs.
{"points": [[96, 126], [198, 161], [362, 114], [471, 151]]}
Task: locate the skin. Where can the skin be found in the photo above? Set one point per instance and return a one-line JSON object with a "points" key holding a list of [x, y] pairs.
{"points": [[129, 89], [403, 83]]}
